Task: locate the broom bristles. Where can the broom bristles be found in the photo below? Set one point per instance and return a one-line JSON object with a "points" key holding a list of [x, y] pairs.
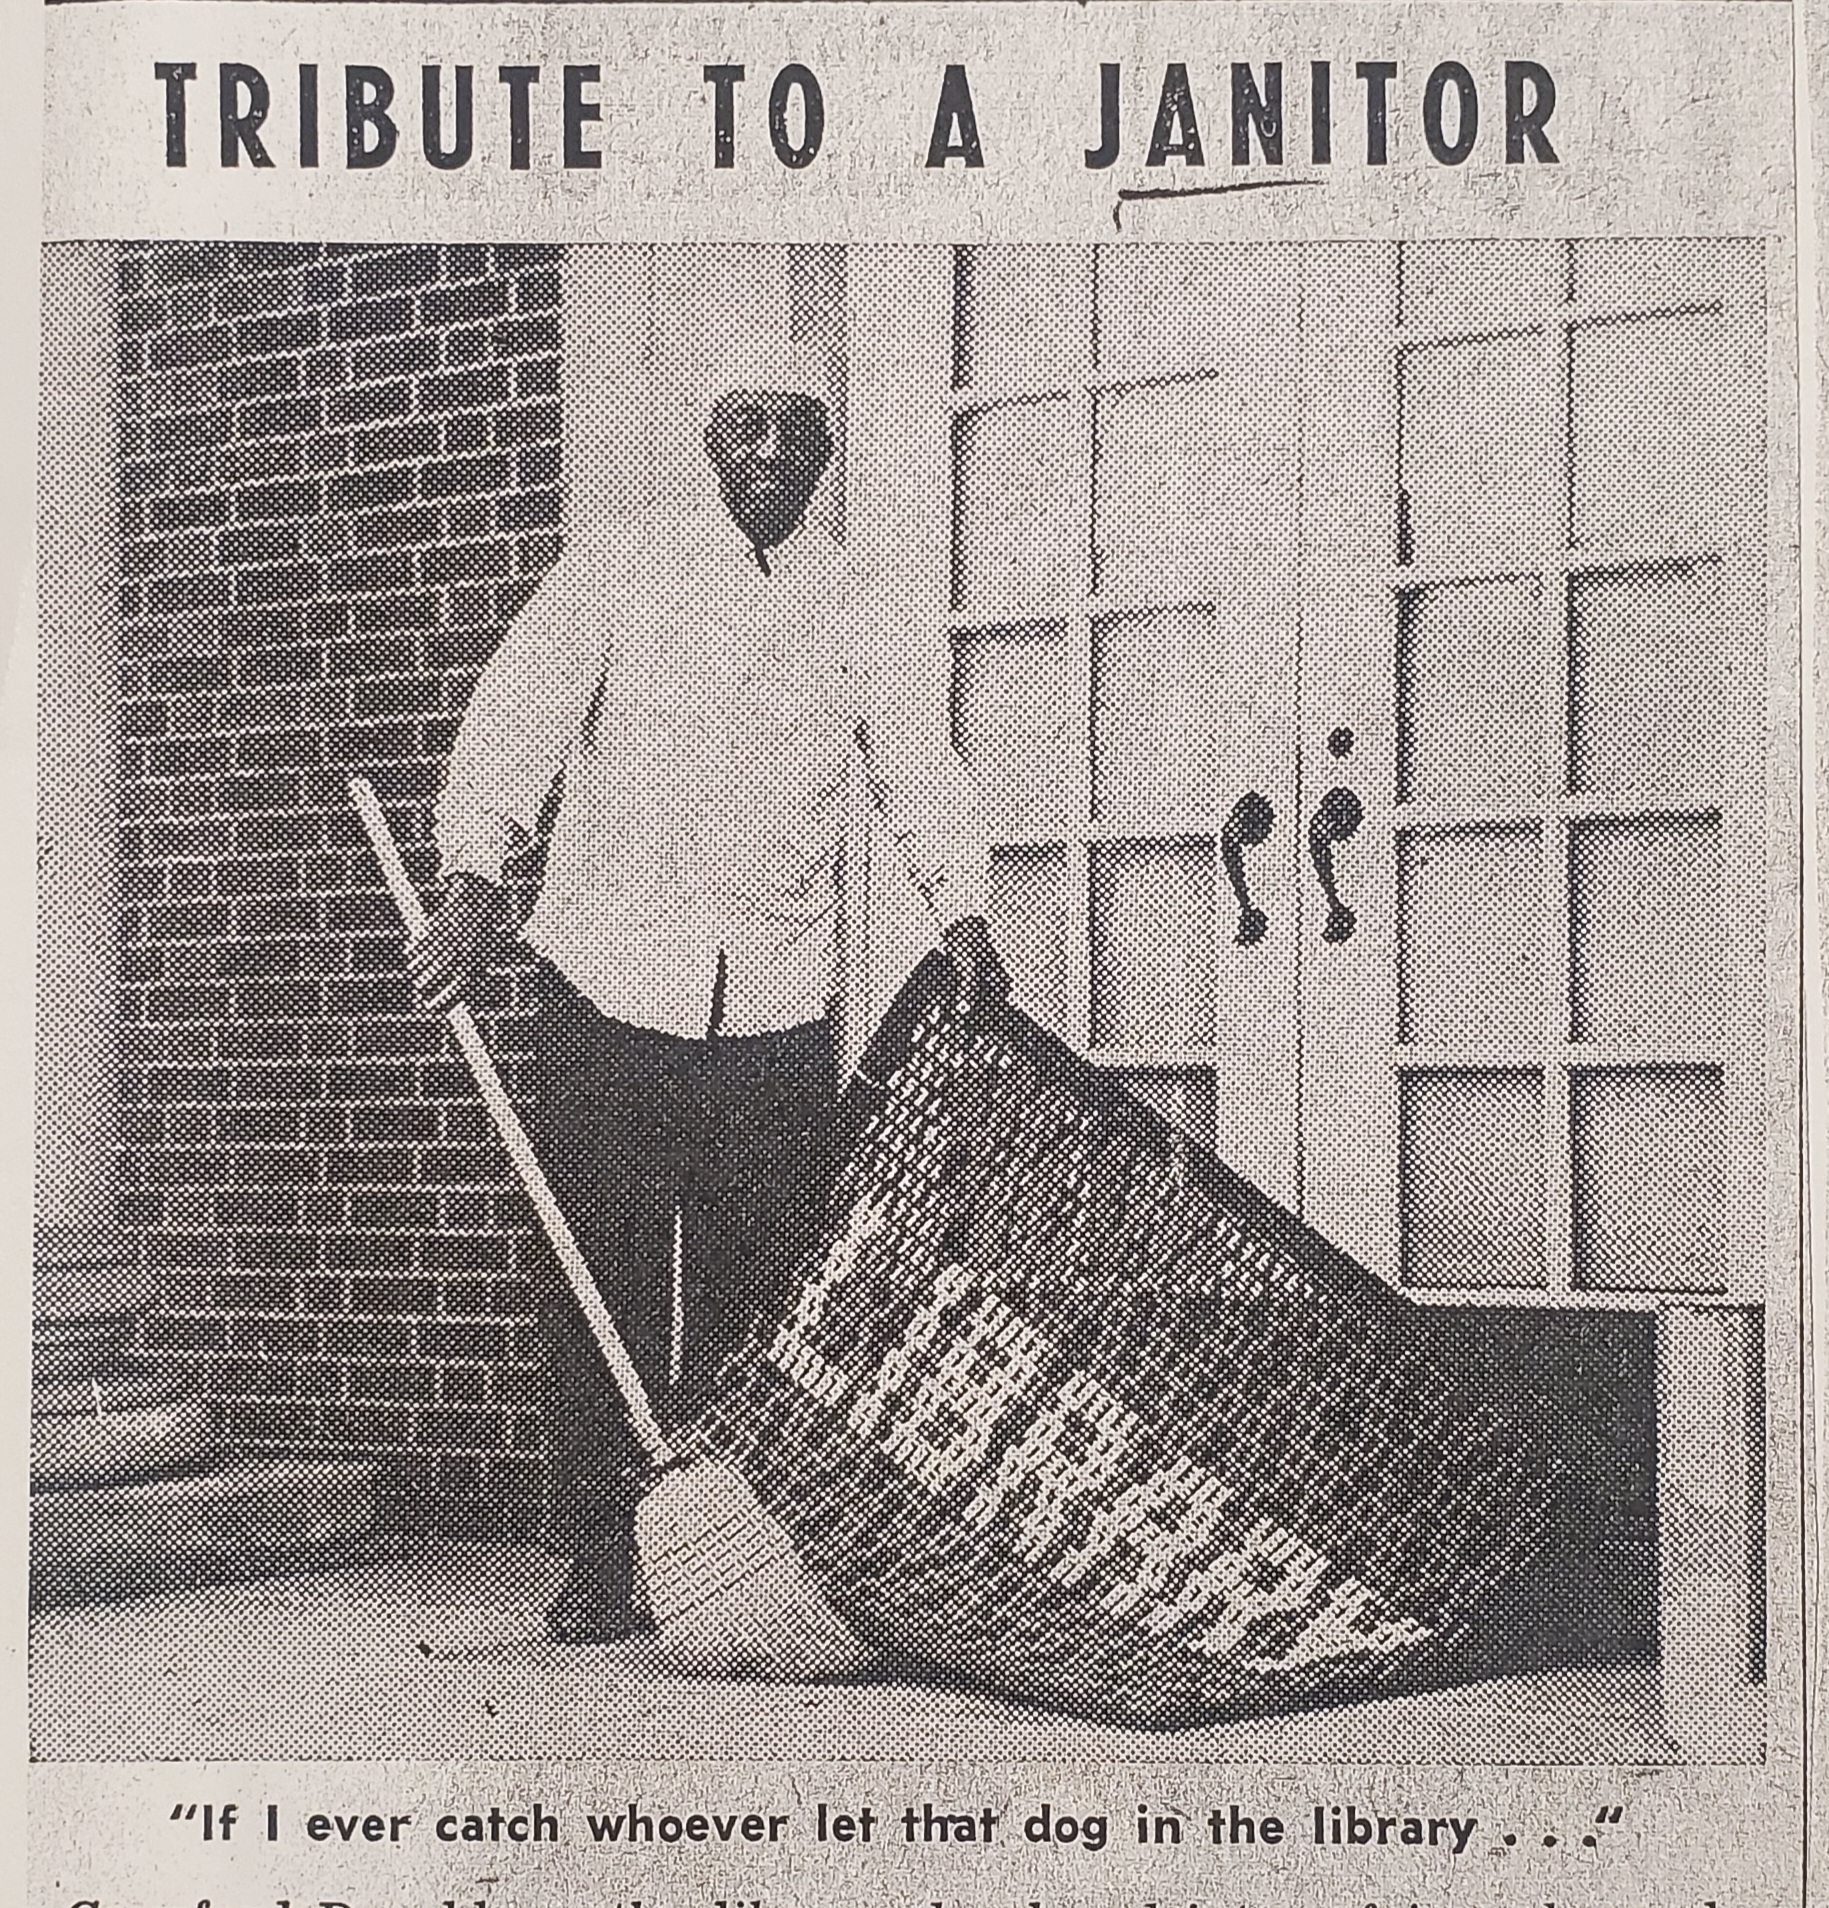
{"points": [[728, 1594], [723, 1579]]}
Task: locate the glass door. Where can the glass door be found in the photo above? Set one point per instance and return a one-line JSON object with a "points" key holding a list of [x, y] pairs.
{"points": [[1535, 660], [1124, 477]]}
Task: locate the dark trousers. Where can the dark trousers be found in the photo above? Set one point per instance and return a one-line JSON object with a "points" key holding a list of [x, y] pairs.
{"points": [[633, 1126]]}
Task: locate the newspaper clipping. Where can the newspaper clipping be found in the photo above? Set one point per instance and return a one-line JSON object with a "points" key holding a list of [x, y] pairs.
{"points": [[918, 940]]}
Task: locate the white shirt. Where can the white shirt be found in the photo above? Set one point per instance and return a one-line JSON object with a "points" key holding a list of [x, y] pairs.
{"points": [[700, 718]]}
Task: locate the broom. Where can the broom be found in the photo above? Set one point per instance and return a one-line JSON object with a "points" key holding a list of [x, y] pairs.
{"points": [[728, 1594]]}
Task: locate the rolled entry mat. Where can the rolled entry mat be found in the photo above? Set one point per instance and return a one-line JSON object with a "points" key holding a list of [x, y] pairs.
{"points": [[1068, 1412]]}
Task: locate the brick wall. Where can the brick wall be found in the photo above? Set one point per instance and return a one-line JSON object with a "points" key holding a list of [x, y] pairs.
{"points": [[340, 480]]}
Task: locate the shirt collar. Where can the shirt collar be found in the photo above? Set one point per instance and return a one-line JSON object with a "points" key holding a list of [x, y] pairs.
{"points": [[728, 540]]}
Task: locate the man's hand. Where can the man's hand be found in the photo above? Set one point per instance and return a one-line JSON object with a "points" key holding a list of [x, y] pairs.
{"points": [[468, 931], [979, 976]]}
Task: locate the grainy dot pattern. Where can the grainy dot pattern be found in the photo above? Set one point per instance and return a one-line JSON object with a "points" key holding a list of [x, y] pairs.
{"points": [[340, 480], [1070, 1412]]}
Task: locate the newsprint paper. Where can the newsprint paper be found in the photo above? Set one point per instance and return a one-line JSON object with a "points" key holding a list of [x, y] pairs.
{"points": [[917, 953]]}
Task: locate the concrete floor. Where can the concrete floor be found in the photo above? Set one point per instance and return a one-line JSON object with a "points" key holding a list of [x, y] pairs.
{"points": [[446, 1658]]}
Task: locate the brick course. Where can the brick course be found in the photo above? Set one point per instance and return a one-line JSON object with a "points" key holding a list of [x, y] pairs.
{"points": [[341, 479]]}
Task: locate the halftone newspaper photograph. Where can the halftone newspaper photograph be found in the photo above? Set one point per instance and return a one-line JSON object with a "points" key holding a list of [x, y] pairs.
{"points": [[917, 959]]}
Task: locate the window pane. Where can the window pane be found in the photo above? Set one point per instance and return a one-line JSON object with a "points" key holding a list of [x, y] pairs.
{"points": [[1452, 282], [1014, 720], [1471, 692], [1196, 486], [1471, 1178], [1479, 435], [1663, 427], [1647, 679], [1649, 1146], [1029, 923], [1019, 524], [1023, 313], [1197, 307], [1152, 944], [1653, 273], [1645, 931], [1471, 937], [1183, 706]]}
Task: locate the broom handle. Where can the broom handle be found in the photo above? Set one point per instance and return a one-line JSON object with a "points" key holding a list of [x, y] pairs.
{"points": [[520, 1149]]}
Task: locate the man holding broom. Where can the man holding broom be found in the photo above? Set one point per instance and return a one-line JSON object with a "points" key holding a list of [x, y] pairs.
{"points": [[689, 690]]}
